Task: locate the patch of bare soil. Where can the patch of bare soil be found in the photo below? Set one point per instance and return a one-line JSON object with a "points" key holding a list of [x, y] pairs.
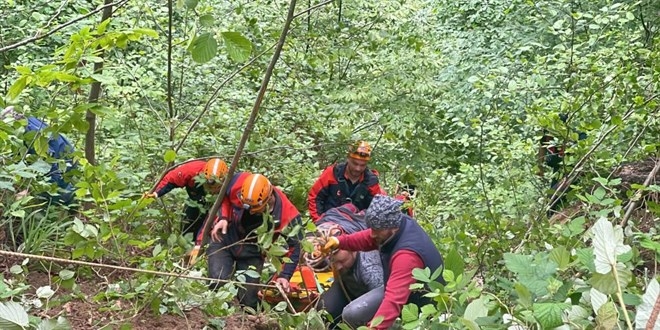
{"points": [[83, 312], [241, 321]]}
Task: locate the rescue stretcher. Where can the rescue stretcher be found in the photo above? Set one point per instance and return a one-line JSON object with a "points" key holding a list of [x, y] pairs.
{"points": [[306, 288]]}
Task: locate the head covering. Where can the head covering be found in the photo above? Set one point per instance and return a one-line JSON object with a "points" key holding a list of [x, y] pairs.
{"points": [[384, 212]]}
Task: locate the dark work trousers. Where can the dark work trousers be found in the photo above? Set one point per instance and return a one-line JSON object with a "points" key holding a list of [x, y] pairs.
{"points": [[355, 313], [223, 261], [193, 220]]}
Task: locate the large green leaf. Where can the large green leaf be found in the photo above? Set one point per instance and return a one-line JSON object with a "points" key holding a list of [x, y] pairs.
{"points": [[560, 256], [607, 283], [17, 87], [607, 316], [517, 263], [549, 314], [13, 316], [477, 308], [203, 48], [409, 313], [239, 48], [454, 262], [524, 295], [206, 20], [586, 258], [60, 324], [191, 4]]}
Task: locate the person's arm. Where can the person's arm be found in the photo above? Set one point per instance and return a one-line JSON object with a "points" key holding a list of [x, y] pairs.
{"points": [[371, 269], [294, 247], [318, 194], [176, 178], [540, 157], [397, 289], [360, 241]]}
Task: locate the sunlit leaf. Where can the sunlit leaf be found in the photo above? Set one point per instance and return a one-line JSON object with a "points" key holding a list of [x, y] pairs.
{"points": [[238, 47], [409, 313], [650, 299], [598, 299], [608, 243], [13, 316], [45, 292], [169, 156], [66, 274], [477, 308], [17, 87]]}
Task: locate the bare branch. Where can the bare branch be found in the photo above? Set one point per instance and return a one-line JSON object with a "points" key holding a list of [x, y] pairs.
{"points": [[250, 124], [61, 26], [312, 8]]}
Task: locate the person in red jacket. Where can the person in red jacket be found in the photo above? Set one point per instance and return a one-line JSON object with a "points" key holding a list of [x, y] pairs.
{"points": [[349, 182], [405, 194], [403, 246], [198, 177], [234, 244]]}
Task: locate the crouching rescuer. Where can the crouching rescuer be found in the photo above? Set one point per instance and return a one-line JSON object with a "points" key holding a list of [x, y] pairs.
{"points": [[250, 202], [403, 246]]}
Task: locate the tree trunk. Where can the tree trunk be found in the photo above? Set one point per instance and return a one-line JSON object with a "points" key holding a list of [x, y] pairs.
{"points": [[94, 94]]}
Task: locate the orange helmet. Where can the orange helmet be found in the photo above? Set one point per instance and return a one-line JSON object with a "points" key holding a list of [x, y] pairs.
{"points": [[215, 171], [360, 150], [255, 192]]}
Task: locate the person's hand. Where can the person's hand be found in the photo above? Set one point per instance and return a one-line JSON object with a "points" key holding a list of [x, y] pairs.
{"points": [[150, 195], [284, 283], [22, 194], [330, 245], [219, 228], [193, 255]]}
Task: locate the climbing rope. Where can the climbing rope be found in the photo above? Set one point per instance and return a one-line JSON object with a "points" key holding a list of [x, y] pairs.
{"points": [[135, 270]]}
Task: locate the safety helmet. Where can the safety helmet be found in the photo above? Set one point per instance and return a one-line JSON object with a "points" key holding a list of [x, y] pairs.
{"points": [[215, 172], [255, 192], [215, 169], [360, 150]]}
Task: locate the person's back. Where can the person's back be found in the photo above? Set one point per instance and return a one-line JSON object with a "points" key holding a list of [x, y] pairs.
{"points": [[60, 150]]}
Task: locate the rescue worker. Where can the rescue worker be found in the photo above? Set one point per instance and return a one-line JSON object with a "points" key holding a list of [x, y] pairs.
{"points": [[405, 194], [251, 201], [551, 153], [198, 177], [403, 246], [59, 149], [356, 274], [348, 182]]}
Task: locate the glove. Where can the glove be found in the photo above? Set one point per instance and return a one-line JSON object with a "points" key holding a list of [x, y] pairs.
{"points": [[193, 255], [150, 195], [330, 245]]}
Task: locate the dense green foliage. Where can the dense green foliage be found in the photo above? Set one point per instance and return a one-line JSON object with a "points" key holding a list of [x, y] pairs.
{"points": [[453, 94]]}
